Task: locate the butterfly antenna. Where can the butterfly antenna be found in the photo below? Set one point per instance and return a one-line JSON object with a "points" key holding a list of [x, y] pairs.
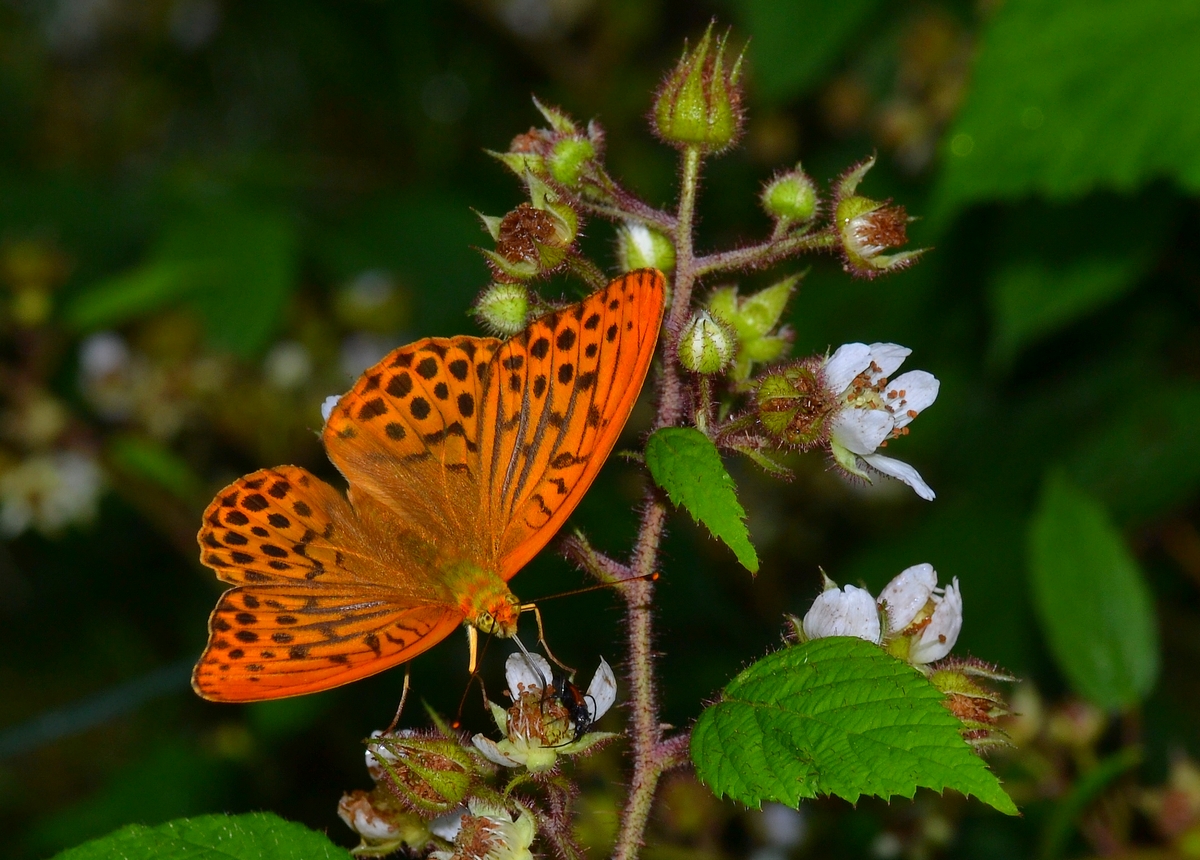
{"points": [[403, 698], [652, 577]]}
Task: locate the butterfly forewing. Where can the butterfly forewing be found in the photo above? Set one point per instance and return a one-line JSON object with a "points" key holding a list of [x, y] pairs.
{"points": [[407, 434], [560, 394]]}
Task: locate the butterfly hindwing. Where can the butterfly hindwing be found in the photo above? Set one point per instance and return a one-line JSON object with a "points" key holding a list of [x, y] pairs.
{"points": [[323, 596], [271, 641], [560, 395]]}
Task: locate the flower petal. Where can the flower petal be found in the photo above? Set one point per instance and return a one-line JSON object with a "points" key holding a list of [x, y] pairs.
{"points": [[527, 672], [939, 637], [901, 472], [920, 390], [847, 362], [447, 826], [861, 430], [849, 612], [905, 595], [601, 692], [493, 753], [888, 357]]}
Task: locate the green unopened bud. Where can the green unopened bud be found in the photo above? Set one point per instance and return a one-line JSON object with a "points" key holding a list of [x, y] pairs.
{"points": [[700, 103], [503, 308], [794, 406], [569, 159], [640, 247], [429, 773], [791, 197], [868, 227], [705, 345]]}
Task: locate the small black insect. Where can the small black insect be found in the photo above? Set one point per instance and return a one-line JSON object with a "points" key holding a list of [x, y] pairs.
{"points": [[576, 703]]}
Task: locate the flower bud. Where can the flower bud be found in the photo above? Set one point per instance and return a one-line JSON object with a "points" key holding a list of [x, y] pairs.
{"points": [[640, 247], [700, 103], [794, 405], [569, 159], [705, 345], [868, 227], [562, 153], [791, 197], [503, 308], [429, 773], [842, 612]]}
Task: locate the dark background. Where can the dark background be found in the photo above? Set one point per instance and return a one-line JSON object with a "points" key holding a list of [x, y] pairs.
{"points": [[257, 199]]}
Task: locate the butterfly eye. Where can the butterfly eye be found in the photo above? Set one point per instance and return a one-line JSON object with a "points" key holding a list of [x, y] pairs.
{"points": [[486, 622]]}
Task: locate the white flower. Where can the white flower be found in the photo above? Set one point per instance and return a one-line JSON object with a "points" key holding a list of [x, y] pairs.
{"points": [[873, 409], [939, 637], [382, 826], [925, 618], [540, 726], [490, 832], [843, 612], [49, 492], [907, 594]]}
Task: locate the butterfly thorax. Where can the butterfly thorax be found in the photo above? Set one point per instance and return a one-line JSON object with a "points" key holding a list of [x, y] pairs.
{"points": [[484, 598]]}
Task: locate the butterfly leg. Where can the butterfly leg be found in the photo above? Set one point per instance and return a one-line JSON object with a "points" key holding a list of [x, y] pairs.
{"points": [[537, 614], [403, 698]]}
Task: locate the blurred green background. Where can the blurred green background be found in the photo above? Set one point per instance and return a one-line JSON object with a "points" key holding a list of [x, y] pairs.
{"points": [[215, 214]]}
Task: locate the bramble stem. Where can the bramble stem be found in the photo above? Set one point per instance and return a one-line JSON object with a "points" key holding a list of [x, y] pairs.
{"points": [[767, 253], [651, 754]]}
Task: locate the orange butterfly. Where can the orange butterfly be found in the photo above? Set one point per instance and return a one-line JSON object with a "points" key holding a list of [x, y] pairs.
{"points": [[464, 456]]}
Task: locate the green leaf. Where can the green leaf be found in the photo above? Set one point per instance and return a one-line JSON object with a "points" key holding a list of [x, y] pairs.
{"points": [[793, 43], [157, 464], [1093, 603], [835, 716], [1144, 459], [248, 258], [686, 464], [1062, 262], [131, 294], [237, 266], [1071, 95], [257, 836]]}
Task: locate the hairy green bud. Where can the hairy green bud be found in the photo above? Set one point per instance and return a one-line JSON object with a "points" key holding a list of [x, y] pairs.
{"points": [[791, 197], [700, 103], [705, 345], [640, 247], [503, 308]]}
